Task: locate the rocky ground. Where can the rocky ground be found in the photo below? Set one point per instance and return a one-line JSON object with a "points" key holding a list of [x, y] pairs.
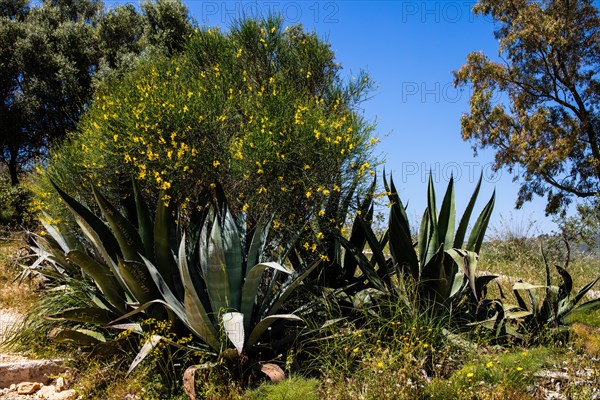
{"points": [[24, 378]]}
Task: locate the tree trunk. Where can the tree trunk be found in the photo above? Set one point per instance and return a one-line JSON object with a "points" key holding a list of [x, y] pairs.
{"points": [[13, 171]]}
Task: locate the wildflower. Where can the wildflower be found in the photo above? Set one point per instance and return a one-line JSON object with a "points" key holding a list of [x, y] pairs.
{"points": [[324, 257], [245, 207], [355, 351], [320, 235], [489, 364], [470, 375], [216, 163], [519, 368], [308, 194]]}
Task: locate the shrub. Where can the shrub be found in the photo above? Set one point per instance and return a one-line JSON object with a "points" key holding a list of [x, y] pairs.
{"points": [[260, 109]]}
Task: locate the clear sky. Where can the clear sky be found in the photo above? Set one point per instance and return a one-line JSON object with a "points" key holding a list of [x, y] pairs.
{"points": [[410, 49]]}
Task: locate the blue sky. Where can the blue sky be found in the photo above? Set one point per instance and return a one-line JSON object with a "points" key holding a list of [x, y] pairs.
{"points": [[410, 49]]}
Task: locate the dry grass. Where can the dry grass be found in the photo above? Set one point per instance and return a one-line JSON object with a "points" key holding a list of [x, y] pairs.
{"points": [[14, 296]]}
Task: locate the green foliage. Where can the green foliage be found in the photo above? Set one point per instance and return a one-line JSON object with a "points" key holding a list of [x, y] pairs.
{"points": [[214, 281], [548, 129], [49, 55], [507, 374], [534, 316], [294, 388], [440, 266], [261, 110]]}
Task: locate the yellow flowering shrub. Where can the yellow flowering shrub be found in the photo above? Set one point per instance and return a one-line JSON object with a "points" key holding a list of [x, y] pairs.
{"points": [[260, 109]]}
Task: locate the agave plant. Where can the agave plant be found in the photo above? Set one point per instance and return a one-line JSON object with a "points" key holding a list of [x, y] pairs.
{"points": [[214, 281], [439, 264], [558, 302]]}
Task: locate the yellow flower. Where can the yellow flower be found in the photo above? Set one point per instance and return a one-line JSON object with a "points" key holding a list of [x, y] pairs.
{"points": [[321, 213], [115, 137], [355, 350], [470, 375], [216, 163], [489, 364], [519, 368], [308, 194], [320, 235], [245, 207]]}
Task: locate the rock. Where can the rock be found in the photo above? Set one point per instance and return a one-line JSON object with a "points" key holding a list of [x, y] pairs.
{"points": [[45, 392], [30, 371], [60, 384], [69, 394], [28, 387], [12, 388]]}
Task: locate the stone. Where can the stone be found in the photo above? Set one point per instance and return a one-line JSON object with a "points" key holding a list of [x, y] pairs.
{"points": [[30, 371], [69, 394], [60, 384], [28, 387]]}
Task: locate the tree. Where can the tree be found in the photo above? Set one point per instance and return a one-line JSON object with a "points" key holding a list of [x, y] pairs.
{"points": [[50, 54], [548, 74]]}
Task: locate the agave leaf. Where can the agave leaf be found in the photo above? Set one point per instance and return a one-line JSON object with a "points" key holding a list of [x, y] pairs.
{"points": [[126, 234], [148, 346], [50, 249], [564, 290], [364, 264], [54, 234], [463, 225], [193, 306], [584, 290], [431, 232], [233, 324], [400, 240], [80, 337], [215, 272], [144, 222], [259, 236], [138, 280], [232, 250], [102, 276], [527, 286], [478, 231], [374, 244], [262, 326], [358, 235], [433, 277], [447, 217], [90, 315], [288, 287], [467, 261], [588, 306], [250, 289], [93, 228], [163, 255], [481, 282], [518, 314], [520, 300]]}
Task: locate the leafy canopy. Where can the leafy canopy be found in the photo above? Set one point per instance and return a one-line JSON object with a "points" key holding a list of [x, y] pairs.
{"points": [[52, 53], [547, 130]]}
